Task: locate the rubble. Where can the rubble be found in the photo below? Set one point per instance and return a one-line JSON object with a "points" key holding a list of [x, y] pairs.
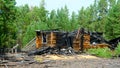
{"points": [[49, 50]]}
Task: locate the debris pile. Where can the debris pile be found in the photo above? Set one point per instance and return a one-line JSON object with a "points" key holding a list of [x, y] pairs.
{"points": [[49, 50], [13, 60]]}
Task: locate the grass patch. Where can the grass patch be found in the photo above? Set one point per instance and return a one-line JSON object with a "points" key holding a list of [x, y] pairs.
{"points": [[117, 50], [101, 52], [105, 52]]}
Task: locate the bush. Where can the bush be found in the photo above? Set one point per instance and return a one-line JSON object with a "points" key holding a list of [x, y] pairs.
{"points": [[101, 52], [117, 50]]}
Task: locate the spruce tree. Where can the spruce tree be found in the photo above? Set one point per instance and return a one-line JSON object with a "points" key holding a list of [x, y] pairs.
{"points": [[7, 28]]}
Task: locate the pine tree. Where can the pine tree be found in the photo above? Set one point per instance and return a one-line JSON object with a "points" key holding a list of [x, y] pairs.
{"points": [[7, 28], [52, 20], [112, 29], [73, 22], [102, 9], [81, 17], [63, 18]]}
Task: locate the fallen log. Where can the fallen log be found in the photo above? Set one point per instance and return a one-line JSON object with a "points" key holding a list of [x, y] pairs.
{"points": [[39, 51]]}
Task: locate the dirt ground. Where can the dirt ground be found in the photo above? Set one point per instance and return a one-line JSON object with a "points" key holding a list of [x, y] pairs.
{"points": [[61, 61]]}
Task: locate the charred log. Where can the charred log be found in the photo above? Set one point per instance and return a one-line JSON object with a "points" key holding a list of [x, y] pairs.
{"points": [[39, 51], [96, 37], [114, 43]]}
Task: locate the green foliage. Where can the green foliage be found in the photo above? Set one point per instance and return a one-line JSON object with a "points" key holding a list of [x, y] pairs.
{"points": [[28, 20], [101, 52], [52, 20], [63, 18], [7, 27], [112, 29], [105, 52], [73, 22], [81, 17], [30, 32], [117, 50]]}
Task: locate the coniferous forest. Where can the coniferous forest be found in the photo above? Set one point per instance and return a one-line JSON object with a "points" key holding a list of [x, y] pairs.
{"points": [[18, 23]]}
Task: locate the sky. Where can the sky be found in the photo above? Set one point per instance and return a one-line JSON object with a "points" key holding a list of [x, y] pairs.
{"points": [[72, 5]]}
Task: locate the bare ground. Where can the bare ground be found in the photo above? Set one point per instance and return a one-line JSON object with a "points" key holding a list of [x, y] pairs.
{"points": [[61, 61]]}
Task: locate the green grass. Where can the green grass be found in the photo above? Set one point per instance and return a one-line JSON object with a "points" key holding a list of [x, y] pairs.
{"points": [[117, 50], [101, 52], [105, 52]]}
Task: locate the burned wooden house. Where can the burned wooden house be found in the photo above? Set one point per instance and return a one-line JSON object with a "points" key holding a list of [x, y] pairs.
{"points": [[79, 40], [56, 41]]}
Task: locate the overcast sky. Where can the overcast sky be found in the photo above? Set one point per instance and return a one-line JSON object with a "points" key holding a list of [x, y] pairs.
{"points": [[73, 5]]}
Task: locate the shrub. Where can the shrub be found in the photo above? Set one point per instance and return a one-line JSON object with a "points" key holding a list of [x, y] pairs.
{"points": [[117, 50], [101, 52]]}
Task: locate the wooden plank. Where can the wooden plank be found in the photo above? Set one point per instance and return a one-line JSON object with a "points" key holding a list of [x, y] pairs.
{"points": [[38, 42]]}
